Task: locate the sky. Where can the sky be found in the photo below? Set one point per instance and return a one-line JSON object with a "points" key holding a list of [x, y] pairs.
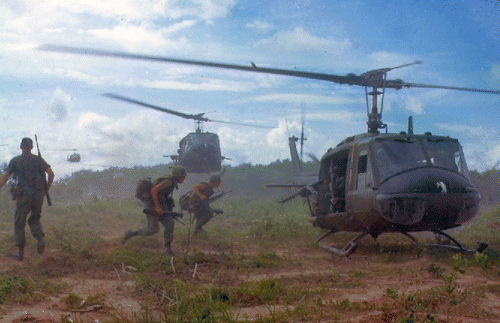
{"points": [[57, 96]]}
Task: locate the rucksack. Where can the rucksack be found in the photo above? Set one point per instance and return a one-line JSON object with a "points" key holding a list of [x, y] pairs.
{"points": [[143, 189], [184, 200]]}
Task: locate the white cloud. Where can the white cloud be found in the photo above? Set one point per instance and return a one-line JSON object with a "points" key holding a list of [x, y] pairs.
{"points": [[299, 40], [494, 75], [59, 104], [260, 25], [343, 117], [278, 137], [132, 37], [211, 9], [91, 120], [414, 105], [465, 130], [145, 37]]}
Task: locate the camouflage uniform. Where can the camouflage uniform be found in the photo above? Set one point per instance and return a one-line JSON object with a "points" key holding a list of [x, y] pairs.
{"points": [[202, 211], [153, 226], [167, 204], [28, 170]]}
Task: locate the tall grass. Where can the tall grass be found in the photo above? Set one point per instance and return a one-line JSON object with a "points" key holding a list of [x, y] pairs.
{"points": [[83, 238]]}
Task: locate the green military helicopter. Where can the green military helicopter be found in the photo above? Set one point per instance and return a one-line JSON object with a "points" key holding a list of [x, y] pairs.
{"points": [[374, 183], [199, 151], [73, 158]]}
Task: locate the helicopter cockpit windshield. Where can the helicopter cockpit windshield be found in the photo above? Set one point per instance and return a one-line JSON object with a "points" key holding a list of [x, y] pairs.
{"points": [[199, 138], [446, 153], [395, 156]]}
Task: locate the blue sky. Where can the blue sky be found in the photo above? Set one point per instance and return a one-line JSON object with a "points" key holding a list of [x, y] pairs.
{"points": [[57, 96]]}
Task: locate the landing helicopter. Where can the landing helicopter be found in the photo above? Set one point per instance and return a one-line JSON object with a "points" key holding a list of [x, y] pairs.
{"points": [[199, 151], [374, 183], [73, 158]]}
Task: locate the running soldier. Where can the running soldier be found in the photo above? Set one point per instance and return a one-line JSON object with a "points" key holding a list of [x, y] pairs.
{"points": [[161, 201], [29, 191], [198, 202]]}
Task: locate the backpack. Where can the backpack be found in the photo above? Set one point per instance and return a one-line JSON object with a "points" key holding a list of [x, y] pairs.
{"points": [[143, 189], [184, 200]]}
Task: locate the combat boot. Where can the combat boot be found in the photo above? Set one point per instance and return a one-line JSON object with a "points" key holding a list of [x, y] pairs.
{"points": [[19, 255], [168, 250], [129, 234], [198, 231], [40, 246]]}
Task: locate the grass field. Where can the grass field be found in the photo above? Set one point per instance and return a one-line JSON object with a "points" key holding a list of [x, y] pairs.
{"points": [[257, 262]]}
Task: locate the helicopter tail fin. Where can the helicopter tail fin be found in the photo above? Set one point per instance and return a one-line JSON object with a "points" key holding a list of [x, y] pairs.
{"points": [[297, 166]]}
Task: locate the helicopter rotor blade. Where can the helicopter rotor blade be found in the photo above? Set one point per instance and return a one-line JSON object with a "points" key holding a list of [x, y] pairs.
{"points": [[368, 79], [240, 124], [408, 85], [95, 165], [63, 149], [350, 79], [303, 121], [313, 157], [388, 69], [198, 117]]}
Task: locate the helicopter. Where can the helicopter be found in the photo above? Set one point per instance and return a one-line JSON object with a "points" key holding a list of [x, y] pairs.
{"points": [[373, 183], [199, 151], [73, 158]]}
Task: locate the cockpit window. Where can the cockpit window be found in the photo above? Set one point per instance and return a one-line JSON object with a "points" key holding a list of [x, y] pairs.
{"points": [[446, 154], [396, 156]]}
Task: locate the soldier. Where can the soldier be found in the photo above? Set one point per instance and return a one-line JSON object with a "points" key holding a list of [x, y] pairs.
{"points": [[198, 202], [161, 201], [29, 171]]}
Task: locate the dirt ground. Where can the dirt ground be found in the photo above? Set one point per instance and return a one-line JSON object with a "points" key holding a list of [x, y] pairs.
{"points": [[363, 278]]}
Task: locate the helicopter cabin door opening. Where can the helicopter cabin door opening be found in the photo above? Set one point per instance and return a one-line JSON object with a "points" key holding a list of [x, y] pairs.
{"points": [[333, 170], [361, 184]]}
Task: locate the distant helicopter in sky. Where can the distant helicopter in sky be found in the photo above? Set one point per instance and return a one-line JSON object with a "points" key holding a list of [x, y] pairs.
{"points": [[73, 158], [199, 151]]}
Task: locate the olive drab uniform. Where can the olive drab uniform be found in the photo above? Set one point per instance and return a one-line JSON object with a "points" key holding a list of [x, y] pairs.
{"points": [[202, 211], [167, 205], [28, 171]]}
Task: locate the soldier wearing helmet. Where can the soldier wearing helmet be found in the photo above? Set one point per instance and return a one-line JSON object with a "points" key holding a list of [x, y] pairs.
{"points": [[161, 201], [198, 203], [29, 192]]}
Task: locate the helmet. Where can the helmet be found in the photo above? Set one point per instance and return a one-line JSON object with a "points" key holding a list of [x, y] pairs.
{"points": [[27, 142], [179, 171], [215, 178]]}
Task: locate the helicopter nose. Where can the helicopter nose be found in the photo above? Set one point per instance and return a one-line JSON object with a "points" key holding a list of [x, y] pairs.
{"points": [[432, 197]]}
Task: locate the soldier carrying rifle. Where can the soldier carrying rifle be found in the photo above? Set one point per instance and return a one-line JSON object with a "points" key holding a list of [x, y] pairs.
{"points": [[200, 200], [158, 207], [29, 190]]}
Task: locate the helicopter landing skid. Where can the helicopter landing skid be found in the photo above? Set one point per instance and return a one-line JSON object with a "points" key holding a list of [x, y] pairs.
{"points": [[458, 247], [346, 251]]}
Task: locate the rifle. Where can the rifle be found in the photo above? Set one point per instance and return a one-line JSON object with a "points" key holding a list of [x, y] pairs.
{"points": [[172, 214], [215, 197], [44, 179], [304, 191], [212, 199]]}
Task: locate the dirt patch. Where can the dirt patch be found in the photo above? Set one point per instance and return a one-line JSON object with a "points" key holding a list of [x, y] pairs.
{"points": [[372, 285]]}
